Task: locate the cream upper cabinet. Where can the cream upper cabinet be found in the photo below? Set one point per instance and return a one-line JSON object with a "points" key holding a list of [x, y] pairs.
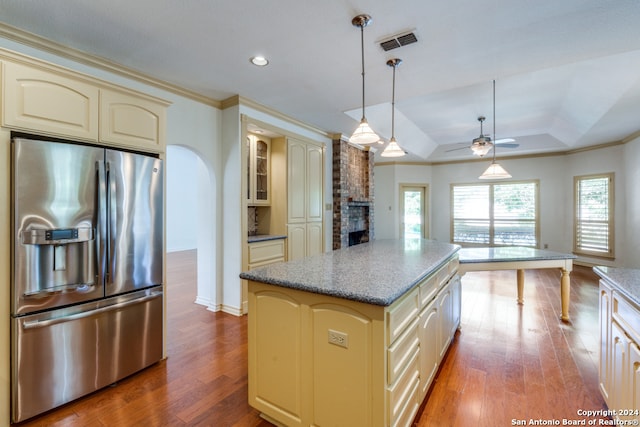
{"points": [[36, 99], [48, 100], [132, 121], [258, 171]]}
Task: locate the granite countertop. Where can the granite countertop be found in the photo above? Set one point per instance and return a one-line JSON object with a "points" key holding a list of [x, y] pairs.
{"points": [[626, 280], [378, 272], [265, 237], [508, 254]]}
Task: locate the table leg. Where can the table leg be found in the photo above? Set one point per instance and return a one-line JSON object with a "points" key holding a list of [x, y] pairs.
{"points": [[565, 289], [520, 286]]}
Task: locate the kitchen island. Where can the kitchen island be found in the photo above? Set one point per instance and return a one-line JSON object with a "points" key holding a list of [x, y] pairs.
{"points": [[354, 336]]}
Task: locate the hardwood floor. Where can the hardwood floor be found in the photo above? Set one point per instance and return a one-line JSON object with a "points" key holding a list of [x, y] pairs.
{"points": [[508, 362]]}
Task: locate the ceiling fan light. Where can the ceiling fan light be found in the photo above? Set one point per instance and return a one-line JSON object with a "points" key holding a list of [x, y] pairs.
{"points": [[364, 135], [393, 149], [495, 171], [481, 146]]}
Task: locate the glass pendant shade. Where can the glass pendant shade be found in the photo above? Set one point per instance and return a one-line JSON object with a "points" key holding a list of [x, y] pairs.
{"points": [[393, 149], [363, 134], [495, 171]]}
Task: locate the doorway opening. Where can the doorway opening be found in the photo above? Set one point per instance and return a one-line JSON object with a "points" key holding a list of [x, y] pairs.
{"points": [[413, 211]]}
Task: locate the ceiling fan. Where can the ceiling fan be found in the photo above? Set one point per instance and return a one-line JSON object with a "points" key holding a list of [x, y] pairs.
{"points": [[483, 144]]}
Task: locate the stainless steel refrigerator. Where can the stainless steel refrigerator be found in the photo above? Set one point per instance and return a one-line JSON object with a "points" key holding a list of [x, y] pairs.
{"points": [[87, 265]]}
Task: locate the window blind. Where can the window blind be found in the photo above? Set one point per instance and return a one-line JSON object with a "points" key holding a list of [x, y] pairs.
{"points": [[593, 215], [495, 214]]}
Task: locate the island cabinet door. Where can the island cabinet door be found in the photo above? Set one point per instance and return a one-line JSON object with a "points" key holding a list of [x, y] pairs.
{"points": [[634, 383], [344, 361], [275, 354], [429, 351], [604, 368]]}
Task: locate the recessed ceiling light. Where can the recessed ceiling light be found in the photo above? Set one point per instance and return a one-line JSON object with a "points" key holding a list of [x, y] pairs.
{"points": [[260, 61]]}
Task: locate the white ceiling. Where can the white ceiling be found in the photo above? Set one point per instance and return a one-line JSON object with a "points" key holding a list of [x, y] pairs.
{"points": [[567, 72]]}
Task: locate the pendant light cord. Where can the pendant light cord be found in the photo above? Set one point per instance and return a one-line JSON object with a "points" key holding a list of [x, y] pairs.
{"points": [[393, 102], [362, 54], [494, 121]]}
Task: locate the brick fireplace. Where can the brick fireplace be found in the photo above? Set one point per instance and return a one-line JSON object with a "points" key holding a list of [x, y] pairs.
{"points": [[353, 210]]}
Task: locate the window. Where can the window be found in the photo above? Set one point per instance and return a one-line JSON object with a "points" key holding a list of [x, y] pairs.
{"points": [[495, 214], [593, 223]]}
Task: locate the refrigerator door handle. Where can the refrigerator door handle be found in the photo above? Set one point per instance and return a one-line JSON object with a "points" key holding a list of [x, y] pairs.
{"points": [[111, 217], [101, 228], [33, 324]]}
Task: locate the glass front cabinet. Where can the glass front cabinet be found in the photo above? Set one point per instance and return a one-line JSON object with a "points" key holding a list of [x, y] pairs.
{"points": [[258, 182]]}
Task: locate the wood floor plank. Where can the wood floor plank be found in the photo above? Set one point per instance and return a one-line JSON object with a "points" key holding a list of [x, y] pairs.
{"points": [[508, 361]]}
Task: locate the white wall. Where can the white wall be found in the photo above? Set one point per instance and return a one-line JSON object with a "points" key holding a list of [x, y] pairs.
{"points": [[555, 174], [182, 199], [631, 195]]}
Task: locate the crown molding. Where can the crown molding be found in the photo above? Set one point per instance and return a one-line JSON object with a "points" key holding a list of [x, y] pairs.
{"points": [[40, 43], [518, 157], [246, 102]]}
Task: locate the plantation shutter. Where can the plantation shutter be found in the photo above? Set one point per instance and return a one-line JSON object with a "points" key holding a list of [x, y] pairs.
{"points": [[593, 215]]}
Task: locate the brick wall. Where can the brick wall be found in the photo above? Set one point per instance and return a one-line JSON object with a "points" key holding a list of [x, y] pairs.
{"points": [[353, 194]]}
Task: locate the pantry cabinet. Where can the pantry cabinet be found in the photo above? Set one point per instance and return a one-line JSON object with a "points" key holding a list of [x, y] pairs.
{"points": [[305, 162]]}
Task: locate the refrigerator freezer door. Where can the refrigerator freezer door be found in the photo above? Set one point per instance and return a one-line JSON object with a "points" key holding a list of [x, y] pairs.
{"points": [[55, 236], [134, 187], [63, 354]]}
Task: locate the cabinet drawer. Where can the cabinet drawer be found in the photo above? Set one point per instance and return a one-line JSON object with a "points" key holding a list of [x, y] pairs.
{"points": [[453, 266], [263, 252], [401, 314], [428, 290], [404, 393], [401, 352], [627, 315], [442, 276]]}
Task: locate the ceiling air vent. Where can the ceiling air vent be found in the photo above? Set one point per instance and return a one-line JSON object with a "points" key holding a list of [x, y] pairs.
{"points": [[398, 41]]}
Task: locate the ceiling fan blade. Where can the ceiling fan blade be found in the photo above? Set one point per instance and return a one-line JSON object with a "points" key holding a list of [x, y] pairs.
{"points": [[509, 145], [504, 140], [466, 147]]}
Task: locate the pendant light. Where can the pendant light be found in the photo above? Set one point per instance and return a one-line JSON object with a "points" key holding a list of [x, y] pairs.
{"points": [[393, 149], [494, 171], [363, 134]]}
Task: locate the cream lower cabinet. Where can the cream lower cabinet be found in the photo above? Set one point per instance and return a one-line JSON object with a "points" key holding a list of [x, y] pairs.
{"points": [[619, 353], [317, 360], [266, 252]]}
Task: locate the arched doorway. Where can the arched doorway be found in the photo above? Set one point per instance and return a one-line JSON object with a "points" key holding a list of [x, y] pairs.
{"points": [[191, 217]]}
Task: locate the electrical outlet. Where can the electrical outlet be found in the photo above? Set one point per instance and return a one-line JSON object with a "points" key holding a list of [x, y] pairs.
{"points": [[338, 338]]}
